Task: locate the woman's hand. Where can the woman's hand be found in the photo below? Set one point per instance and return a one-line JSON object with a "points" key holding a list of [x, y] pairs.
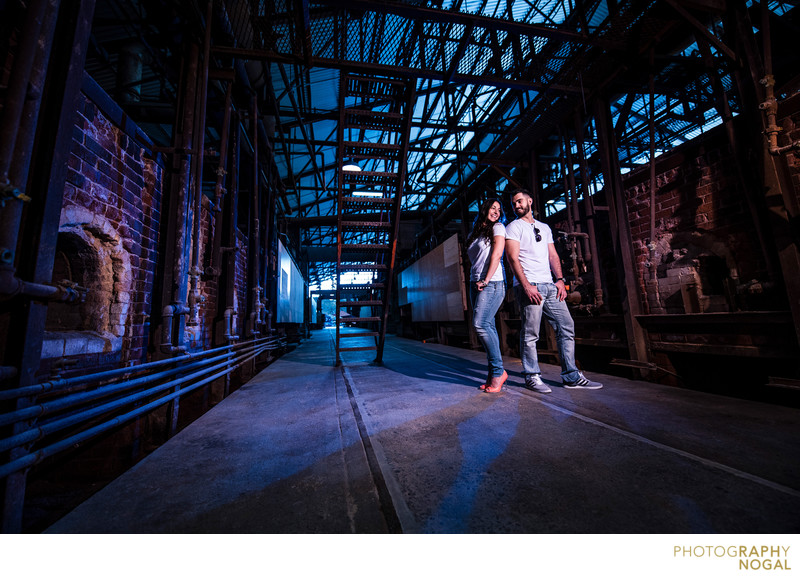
{"points": [[480, 284]]}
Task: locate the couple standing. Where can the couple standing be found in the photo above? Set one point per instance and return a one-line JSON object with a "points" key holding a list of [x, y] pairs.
{"points": [[532, 255]]}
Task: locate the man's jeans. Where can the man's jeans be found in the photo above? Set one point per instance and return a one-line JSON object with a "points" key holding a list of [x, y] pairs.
{"points": [[557, 313], [485, 306]]}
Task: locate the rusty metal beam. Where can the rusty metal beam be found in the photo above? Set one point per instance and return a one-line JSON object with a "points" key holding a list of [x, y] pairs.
{"points": [[703, 30], [48, 175], [780, 197], [319, 178], [419, 13], [620, 232], [359, 66]]}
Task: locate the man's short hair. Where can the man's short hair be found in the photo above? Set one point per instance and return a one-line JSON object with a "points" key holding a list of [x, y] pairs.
{"points": [[521, 190]]}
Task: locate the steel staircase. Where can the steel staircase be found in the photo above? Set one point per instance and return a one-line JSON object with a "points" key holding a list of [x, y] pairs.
{"points": [[374, 124]]}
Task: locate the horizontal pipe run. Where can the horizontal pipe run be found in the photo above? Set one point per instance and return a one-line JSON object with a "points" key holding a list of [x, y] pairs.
{"points": [[67, 384], [11, 286], [70, 401], [37, 432], [38, 410], [33, 458]]}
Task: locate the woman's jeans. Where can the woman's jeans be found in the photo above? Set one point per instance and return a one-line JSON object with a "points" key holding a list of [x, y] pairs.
{"points": [[557, 313], [485, 304]]}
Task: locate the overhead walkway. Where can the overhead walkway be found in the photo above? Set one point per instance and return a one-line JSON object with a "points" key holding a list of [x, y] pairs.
{"points": [[414, 446]]}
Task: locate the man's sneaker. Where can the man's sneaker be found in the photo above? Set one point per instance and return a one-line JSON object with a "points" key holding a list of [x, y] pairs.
{"points": [[534, 382], [584, 383]]}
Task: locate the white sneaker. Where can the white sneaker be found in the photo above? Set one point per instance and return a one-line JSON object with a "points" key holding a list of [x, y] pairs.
{"points": [[534, 382], [584, 383]]}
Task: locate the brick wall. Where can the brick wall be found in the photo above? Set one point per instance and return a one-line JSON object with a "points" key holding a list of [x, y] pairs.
{"points": [[202, 335], [706, 245], [113, 195], [209, 286], [241, 282]]}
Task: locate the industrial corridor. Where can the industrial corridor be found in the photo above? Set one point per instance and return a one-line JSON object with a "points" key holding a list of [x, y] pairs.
{"points": [[414, 446]]}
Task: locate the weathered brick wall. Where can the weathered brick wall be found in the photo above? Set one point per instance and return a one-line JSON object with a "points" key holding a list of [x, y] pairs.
{"points": [[113, 196], [705, 237], [241, 282], [202, 334], [209, 286]]}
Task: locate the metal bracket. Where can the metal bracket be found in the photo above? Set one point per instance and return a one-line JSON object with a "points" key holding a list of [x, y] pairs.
{"points": [[9, 192]]}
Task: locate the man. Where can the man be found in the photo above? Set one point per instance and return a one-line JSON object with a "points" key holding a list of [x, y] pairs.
{"points": [[532, 255]]}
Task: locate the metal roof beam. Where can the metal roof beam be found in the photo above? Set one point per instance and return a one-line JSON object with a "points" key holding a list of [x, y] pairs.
{"points": [[418, 13], [395, 70], [311, 151]]}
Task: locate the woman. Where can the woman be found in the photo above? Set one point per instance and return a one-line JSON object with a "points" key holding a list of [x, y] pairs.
{"points": [[485, 247]]}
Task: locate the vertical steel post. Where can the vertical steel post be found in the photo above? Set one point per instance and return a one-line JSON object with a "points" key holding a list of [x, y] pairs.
{"points": [[572, 200], [570, 212], [465, 228], [198, 145], [48, 174], [620, 232], [267, 227], [13, 116], [534, 182], [178, 243], [219, 189], [231, 227], [175, 218], [255, 232], [588, 205], [780, 202], [343, 80]]}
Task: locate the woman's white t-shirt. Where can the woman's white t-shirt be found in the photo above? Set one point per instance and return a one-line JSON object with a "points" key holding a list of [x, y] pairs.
{"points": [[479, 252]]}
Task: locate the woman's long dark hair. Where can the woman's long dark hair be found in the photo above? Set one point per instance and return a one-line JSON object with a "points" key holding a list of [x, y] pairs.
{"points": [[482, 227]]}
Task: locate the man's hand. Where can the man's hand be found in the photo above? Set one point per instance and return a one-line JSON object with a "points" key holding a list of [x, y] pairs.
{"points": [[561, 291], [533, 293]]}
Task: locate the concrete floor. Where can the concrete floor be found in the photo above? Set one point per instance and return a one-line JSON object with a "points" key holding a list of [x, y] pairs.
{"points": [[413, 446]]}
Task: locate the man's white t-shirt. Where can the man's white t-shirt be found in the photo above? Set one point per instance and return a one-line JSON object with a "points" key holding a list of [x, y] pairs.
{"points": [[534, 256], [479, 252]]}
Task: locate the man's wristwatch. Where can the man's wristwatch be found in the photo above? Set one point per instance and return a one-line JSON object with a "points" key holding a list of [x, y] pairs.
{"points": [[561, 279]]}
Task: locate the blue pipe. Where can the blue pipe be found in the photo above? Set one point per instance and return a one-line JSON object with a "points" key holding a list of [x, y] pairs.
{"points": [[37, 432], [66, 383], [31, 459]]}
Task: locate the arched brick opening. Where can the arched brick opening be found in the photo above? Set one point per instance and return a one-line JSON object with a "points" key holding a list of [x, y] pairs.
{"points": [[89, 253]]}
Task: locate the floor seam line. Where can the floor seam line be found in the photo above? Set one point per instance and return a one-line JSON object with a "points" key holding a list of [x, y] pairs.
{"points": [[708, 462], [394, 509]]}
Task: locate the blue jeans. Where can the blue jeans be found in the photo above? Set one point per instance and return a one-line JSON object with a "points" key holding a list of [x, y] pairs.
{"points": [[485, 306], [557, 313]]}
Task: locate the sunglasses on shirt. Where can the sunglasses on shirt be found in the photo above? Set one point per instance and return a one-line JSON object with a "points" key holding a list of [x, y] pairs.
{"points": [[536, 233]]}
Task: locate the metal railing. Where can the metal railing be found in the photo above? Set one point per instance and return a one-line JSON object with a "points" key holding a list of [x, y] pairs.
{"points": [[112, 397]]}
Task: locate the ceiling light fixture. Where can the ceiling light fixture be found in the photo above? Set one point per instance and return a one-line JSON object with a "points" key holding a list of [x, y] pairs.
{"points": [[351, 167], [368, 193]]}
